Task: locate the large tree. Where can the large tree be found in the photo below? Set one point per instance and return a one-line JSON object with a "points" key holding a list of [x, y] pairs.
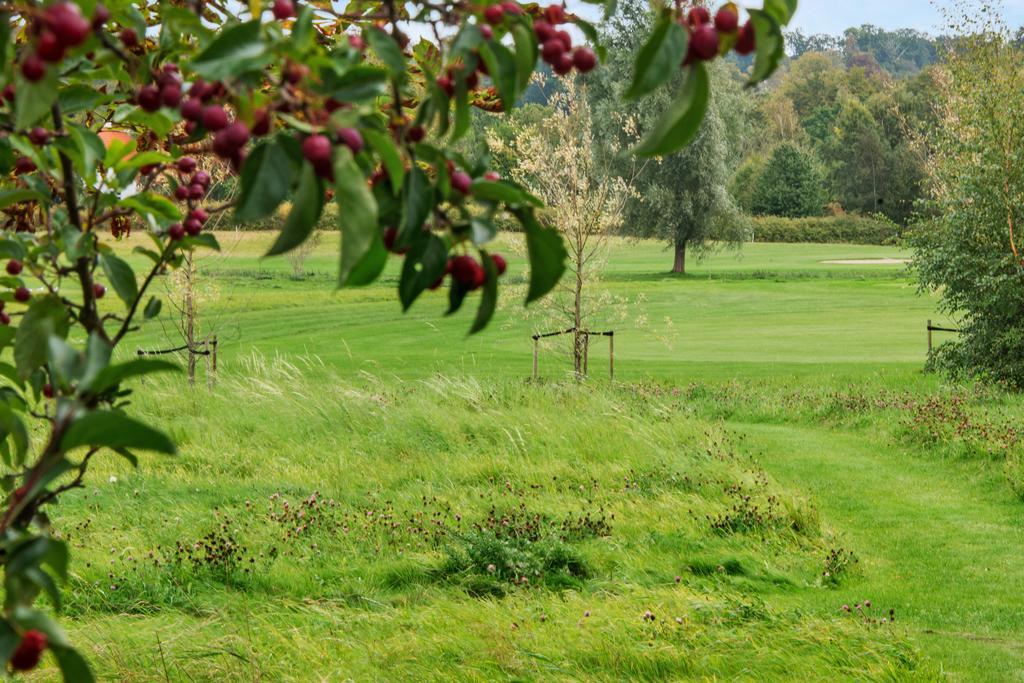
{"points": [[682, 198], [788, 185], [859, 157]]}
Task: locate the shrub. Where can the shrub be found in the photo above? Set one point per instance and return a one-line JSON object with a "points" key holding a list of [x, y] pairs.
{"points": [[847, 229], [486, 562]]}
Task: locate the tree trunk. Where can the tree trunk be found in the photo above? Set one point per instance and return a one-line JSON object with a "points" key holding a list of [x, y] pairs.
{"points": [[577, 340], [680, 265], [190, 320]]}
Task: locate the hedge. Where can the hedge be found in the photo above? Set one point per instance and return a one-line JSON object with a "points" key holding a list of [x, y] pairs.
{"points": [[847, 229]]}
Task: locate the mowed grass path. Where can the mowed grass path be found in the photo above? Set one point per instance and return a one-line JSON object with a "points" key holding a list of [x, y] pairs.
{"points": [[939, 540]]}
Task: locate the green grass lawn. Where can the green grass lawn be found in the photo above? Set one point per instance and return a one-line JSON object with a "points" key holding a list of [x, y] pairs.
{"points": [[756, 313], [369, 495]]}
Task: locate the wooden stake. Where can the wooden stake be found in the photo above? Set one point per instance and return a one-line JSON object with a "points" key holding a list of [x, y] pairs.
{"points": [[611, 356], [536, 343], [586, 354], [929, 337], [209, 359]]}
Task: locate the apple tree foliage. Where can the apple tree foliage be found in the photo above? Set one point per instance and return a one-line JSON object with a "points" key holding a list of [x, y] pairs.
{"points": [[110, 119]]}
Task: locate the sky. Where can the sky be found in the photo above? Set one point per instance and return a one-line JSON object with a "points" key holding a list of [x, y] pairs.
{"points": [[833, 16]]}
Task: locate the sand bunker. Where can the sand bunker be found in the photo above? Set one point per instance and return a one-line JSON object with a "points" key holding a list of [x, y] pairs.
{"points": [[869, 262]]}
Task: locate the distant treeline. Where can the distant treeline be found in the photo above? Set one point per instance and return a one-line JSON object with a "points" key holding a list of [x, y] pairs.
{"points": [[901, 52], [843, 127]]}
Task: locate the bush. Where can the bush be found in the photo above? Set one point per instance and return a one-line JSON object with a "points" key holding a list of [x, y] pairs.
{"points": [[848, 229]]}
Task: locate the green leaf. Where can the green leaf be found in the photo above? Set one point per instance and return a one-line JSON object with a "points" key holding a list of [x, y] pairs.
{"points": [[467, 41], [80, 97], [118, 149], [6, 336], [6, 156], [547, 254], [780, 10], [56, 558], [388, 52], [356, 84], [497, 191], [369, 268], [389, 156], [45, 317], [489, 299], [417, 203], [9, 638], [236, 50], [770, 46], [71, 147], [113, 375], [501, 65], [11, 248], [462, 114], [36, 576], [121, 277], [456, 295], [424, 264], [9, 197], [302, 30], [307, 204], [92, 148], [680, 124], [73, 666], [357, 213], [144, 159], [97, 360], [10, 373], [526, 54], [158, 122], [265, 181], [150, 204], [27, 555], [482, 229], [114, 430], [206, 240], [659, 59], [5, 51], [34, 99], [65, 362], [152, 308], [12, 427]]}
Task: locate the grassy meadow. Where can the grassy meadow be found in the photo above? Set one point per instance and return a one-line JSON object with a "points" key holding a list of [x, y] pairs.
{"points": [[772, 489]]}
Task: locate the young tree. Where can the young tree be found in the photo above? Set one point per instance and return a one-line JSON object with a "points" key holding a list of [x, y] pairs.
{"points": [[970, 252], [557, 160], [310, 103]]}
